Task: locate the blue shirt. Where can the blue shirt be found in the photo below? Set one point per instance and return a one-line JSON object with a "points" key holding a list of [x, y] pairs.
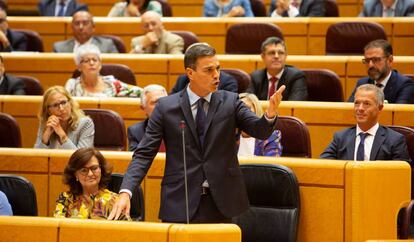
{"points": [[213, 9], [5, 208]]}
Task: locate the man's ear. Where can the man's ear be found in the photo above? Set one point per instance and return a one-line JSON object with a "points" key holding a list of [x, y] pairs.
{"points": [[380, 107], [189, 73]]}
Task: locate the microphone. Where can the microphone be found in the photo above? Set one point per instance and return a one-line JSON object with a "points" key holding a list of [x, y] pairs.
{"points": [[182, 127]]}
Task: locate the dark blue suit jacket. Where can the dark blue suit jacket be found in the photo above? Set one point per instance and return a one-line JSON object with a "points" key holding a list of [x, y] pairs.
{"points": [[399, 88], [47, 7], [12, 86], [18, 42], [216, 161], [135, 134], [227, 82], [388, 145]]}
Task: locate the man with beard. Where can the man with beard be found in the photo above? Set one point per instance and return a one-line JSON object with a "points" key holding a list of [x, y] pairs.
{"points": [[378, 59], [368, 140]]}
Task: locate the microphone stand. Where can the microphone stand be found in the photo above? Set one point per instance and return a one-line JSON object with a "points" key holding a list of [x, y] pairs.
{"points": [[182, 127]]}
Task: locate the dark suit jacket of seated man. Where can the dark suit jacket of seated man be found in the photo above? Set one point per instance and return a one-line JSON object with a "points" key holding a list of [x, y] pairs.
{"points": [[227, 82], [375, 8], [48, 7], [399, 88], [216, 189], [382, 142]]}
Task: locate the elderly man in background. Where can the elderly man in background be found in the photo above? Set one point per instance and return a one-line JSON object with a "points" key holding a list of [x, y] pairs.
{"points": [[149, 97], [83, 29], [156, 40]]}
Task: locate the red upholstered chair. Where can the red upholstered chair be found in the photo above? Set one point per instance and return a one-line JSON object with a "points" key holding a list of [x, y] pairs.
{"points": [[166, 8], [331, 8], [32, 85], [10, 131], [405, 216], [188, 37], [323, 85], [243, 79], [119, 43], [34, 41], [350, 38], [295, 137], [119, 71], [109, 129], [247, 38], [258, 8]]}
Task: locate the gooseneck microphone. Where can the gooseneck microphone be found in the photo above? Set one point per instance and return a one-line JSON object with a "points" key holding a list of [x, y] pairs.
{"points": [[182, 127]]}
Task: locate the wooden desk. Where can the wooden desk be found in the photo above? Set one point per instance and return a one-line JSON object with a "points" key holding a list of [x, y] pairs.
{"points": [[340, 200], [303, 36]]}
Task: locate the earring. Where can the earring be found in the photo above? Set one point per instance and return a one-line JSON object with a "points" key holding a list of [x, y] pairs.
{"points": [[77, 179]]}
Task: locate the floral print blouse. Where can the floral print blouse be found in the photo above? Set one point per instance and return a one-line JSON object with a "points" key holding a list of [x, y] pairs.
{"points": [[113, 88], [94, 207]]}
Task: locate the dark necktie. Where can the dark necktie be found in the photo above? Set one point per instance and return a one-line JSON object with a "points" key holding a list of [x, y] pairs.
{"points": [[272, 87], [361, 149], [379, 85], [61, 11], [201, 120]]}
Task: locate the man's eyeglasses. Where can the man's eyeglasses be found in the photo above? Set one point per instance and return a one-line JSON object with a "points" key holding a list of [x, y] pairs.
{"points": [[85, 170], [57, 105], [374, 60], [279, 52], [91, 60]]}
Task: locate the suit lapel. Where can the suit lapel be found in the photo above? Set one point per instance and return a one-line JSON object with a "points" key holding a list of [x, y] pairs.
{"points": [[390, 88], [212, 108], [378, 9], [350, 144], [378, 140], [265, 85], [188, 116]]}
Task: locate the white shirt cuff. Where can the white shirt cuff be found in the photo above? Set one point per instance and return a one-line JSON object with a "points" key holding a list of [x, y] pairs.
{"points": [[126, 191]]}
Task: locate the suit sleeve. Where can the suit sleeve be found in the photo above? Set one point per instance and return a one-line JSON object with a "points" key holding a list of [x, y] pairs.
{"points": [[317, 9], [133, 143], [145, 152], [176, 46], [400, 151], [230, 84], [406, 95], [299, 90], [247, 9], [20, 44], [332, 150], [18, 87]]}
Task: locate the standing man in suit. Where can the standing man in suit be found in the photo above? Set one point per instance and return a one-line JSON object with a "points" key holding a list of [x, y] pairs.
{"points": [[378, 60], [388, 8], [156, 40], [367, 140], [216, 189], [10, 40], [60, 8], [149, 97], [83, 29], [10, 85], [266, 81]]}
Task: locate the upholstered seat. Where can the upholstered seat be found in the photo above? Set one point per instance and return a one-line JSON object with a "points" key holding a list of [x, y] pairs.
{"points": [[247, 38], [188, 37], [323, 85], [258, 8], [34, 40], [109, 129], [10, 131], [119, 43], [331, 8], [119, 71], [166, 8], [295, 137], [32, 85], [273, 215], [20, 193], [350, 38], [243, 79], [137, 211]]}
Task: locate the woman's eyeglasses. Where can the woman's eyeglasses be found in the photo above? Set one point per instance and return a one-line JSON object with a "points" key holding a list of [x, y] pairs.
{"points": [[85, 170], [57, 105]]}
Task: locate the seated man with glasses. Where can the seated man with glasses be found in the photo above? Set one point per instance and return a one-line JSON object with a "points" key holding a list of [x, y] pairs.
{"points": [[378, 60], [87, 175], [9, 39], [62, 124], [266, 81]]}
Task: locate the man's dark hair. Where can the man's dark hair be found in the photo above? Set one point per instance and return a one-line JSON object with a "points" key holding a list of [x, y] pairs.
{"points": [[196, 51], [272, 41], [380, 43]]}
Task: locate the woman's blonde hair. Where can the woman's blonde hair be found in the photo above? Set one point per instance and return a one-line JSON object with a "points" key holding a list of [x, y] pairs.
{"points": [[251, 98], [75, 115]]}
